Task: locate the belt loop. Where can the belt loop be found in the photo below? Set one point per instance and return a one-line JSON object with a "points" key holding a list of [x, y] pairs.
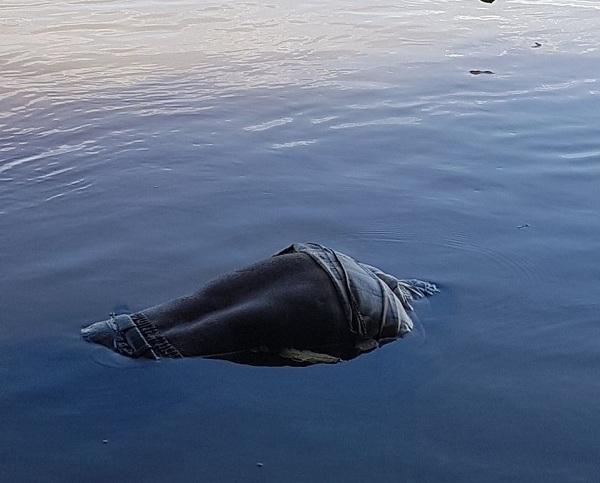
{"points": [[137, 345]]}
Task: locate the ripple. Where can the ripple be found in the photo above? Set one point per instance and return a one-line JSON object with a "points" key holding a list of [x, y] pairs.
{"points": [[321, 120], [65, 193], [389, 121], [50, 153], [269, 124], [583, 4], [583, 155], [514, 276], [293, 144], [51, 174]]}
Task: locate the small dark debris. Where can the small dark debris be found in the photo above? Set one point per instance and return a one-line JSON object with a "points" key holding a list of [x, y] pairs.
{"points": [[488, 1], [536, 45], [260, 465], [105, 441], [526, 225], [477, 72]]}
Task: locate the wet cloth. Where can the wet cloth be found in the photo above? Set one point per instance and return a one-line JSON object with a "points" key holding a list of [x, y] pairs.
{"points": [[131, 335], [375, 303]]}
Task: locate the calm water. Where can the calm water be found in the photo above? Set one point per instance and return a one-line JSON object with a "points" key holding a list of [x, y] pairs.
{"points": [[146, 147]]}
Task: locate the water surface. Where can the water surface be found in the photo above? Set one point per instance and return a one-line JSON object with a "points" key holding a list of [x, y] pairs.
{"points": [[146, 147]]}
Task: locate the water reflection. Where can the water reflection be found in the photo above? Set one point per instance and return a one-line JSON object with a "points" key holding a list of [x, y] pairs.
{"points": [[70, 48]]}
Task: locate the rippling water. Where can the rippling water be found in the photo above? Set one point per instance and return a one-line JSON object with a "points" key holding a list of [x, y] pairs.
{"points": [[147, 146]]}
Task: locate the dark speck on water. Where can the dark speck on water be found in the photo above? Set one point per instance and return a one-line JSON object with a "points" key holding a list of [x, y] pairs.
{"points": [[350, 124], [478, 72]]}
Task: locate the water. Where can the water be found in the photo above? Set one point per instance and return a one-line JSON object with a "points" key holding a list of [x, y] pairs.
{"points": [[146, 147]]}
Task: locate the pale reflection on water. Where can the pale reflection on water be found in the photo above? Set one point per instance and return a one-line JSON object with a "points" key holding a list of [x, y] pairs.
{"points": [[147, 146], [69, 48]]}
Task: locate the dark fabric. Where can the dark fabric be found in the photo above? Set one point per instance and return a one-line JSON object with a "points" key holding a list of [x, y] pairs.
{"points": [[159, 344], [370, 306]]}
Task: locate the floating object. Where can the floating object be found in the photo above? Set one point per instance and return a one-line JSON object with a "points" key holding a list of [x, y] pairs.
{"points": [[306, 304], [478, 72]]}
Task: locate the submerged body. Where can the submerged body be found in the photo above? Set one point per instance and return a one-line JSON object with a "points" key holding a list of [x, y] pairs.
{"points": [[305, 304]]}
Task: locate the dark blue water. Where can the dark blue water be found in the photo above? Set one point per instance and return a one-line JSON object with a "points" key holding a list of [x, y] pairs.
{"points": [[145, 148]]}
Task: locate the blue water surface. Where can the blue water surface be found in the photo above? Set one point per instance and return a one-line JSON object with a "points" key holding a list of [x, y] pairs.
{"points": [[146, 147]]}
